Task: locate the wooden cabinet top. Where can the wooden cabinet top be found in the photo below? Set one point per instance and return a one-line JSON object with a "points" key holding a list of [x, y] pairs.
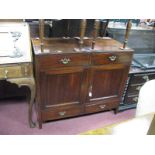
{"points": [[60, 46]]}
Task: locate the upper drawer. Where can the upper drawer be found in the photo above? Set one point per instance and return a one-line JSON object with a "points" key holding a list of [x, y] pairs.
{"points": [[142, 78], [62, 60], [15, 71], [111, 58]]}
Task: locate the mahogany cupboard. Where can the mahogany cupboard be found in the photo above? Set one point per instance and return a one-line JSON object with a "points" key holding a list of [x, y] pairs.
{"points": [[73, 80]]}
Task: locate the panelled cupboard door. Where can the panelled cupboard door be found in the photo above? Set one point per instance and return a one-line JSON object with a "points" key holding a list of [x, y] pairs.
{"points": [[106, 83], [62, 86]]}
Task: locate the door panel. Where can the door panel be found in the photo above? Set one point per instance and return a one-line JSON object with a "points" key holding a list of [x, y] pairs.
{"points": [[107, 82], [62, 87]]}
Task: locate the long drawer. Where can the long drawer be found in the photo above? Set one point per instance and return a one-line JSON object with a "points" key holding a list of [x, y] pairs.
{"points": [[15, 71]]}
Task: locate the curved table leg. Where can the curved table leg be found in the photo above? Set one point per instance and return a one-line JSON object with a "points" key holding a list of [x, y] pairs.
{"points": [[30, 83]]}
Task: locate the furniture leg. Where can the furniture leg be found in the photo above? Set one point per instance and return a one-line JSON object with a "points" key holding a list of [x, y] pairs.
{"points": [[30, 83]]}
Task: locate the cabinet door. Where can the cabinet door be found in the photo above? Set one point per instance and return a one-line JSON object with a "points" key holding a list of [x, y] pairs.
{"points": [[107, 83], [62, 86]]}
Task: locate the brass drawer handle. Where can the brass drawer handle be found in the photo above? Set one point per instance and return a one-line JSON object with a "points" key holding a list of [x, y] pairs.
{"points": [[145, 77], [62, 113], [6, 73], [102, 106], [112, 58], [138, 88], [65, 61], [135, 99]]}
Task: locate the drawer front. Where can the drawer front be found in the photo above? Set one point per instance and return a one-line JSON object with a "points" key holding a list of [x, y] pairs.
{"points": [[100, 107], [61, 112], [131, 99], [111, 58], [16, 71], [62, 60], [134, 89], [142, 78]]}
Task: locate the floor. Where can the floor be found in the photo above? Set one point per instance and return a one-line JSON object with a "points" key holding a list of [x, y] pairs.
{"points": [[14, 121]]}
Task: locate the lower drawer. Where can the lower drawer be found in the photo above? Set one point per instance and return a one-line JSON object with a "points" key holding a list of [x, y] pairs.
{"points": [[100, 107], [63, 112]]}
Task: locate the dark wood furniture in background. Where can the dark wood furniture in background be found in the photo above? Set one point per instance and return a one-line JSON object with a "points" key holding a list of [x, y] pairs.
{"points": [[65, 28], [16, 59], [74, 79], [136, 79], [141, 39]]}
